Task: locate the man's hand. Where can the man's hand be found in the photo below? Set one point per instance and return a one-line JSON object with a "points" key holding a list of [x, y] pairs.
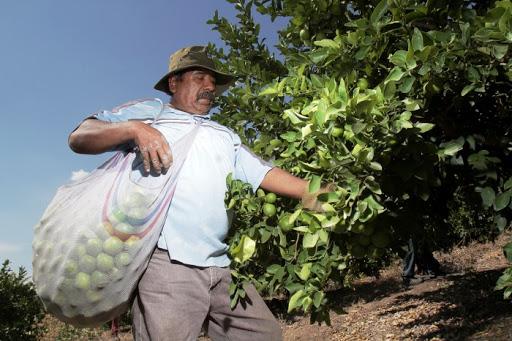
{"points": [[153, 147], [95, 136], [310, 200]]}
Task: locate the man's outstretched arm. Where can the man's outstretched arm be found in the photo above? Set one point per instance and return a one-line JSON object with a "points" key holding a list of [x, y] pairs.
{"points": [[94, 136], [283, 183]]}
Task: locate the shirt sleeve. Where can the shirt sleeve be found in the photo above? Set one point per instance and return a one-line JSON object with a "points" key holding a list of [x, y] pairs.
{"points": [[250, 168], [146, 109]]}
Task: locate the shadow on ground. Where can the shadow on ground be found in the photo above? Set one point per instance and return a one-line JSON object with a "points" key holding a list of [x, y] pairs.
{"points": [[469, 304]]}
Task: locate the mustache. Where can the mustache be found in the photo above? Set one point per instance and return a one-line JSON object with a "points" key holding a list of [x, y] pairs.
{"points": [[210, 95]]}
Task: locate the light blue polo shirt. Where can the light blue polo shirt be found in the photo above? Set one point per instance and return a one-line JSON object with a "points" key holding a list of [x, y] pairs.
{"points": [[197, 222]]}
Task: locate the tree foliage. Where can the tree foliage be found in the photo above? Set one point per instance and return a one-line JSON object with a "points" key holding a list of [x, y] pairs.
{"points": [[20, 308], [404, 105]]}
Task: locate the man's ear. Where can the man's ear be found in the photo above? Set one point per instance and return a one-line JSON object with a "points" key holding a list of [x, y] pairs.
{"points": [[171, 81]]}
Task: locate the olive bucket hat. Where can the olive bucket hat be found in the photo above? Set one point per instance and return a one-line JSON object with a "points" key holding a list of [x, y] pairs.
{"points": [[191, 57]]}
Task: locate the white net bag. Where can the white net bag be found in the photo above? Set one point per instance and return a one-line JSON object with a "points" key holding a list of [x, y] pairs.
{"points": [[95, 238]]}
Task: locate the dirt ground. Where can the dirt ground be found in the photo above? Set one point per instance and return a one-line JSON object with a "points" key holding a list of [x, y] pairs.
{"points": [[461, 305]]}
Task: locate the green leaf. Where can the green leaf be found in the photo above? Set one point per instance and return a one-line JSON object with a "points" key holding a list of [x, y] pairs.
{"points": [[274, 268], [310, 240], [327, 43], [375, 166], [508, 184], [244, 250], [417, 40], [295, 300], [306, 303], [507, 293], [452, 147], [507, 250], [488, 196], [399, 58], [306, 130], [467, 89], [293, 116], [395, 75], [502, 200], [314, 184], [305, 271], [330, 222], [378, 12], [329, 197], [294, 216], [318, 55], [289, 136], [270, 90], [499, 51], [318, 298], [342, 91], [424, 127], [501, 222], [316, 81], [265, 235], [362, 52], [407, 84]]}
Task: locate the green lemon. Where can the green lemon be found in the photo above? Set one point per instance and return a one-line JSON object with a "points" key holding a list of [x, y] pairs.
{"points": [[336, 132], [304, 34], [116, 216], [71, 268], [122, 259], [94, 246], [82, 281], [380, 239], [284, 222], [260, 193], [270, 198], [93, 296], [362, 84], [320, 36], [357, 251], [132, 244], [363, 240], [269, 210], [99, 279], [125, 228], [368, 230], [104, 262], [112, 246], [78, 251], [87, 263]]}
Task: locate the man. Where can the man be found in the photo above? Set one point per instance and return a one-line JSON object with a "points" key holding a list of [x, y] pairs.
{"points": [[185, 286]]}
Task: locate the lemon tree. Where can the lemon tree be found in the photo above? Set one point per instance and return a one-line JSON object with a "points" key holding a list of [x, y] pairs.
{"points": [[404, 105]]}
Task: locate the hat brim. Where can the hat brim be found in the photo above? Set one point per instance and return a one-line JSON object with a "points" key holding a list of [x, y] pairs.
{"points": [[223, 80]]}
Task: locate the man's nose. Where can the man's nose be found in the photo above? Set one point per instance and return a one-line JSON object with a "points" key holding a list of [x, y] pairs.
{"points": [[209, 83]]}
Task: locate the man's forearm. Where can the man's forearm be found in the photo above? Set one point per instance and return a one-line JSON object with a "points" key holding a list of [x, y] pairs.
{"points": [[95, 136], [283, 183]]}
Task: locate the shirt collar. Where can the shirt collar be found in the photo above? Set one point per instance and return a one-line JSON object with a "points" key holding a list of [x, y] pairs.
{"points": [[188, 115]]}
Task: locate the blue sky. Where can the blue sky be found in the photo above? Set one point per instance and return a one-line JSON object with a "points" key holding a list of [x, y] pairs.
{"points": [[61, 60]]}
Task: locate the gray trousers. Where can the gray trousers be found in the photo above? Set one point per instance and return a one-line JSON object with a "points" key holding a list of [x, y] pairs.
{"points": [[175, 301]]}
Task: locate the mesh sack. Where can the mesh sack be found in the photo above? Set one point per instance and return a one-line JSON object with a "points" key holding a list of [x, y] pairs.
{"points": [[95, 238]]}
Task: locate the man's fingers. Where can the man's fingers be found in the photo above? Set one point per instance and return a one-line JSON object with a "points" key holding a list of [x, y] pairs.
{"points": [[145, 159], [167, 154], [155, 161], [165, 158]]}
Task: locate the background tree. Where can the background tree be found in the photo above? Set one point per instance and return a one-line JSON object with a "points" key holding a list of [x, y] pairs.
{"points": [[404, 105], [21, 311]]}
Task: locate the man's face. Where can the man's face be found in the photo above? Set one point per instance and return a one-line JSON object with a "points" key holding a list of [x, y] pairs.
{"points": [[194, 92]]}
